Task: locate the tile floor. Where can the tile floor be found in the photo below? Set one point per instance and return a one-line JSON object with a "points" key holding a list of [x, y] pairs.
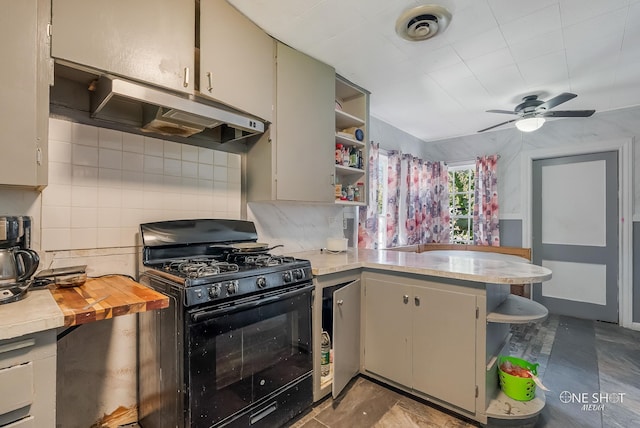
{"points": [[597, 364]]}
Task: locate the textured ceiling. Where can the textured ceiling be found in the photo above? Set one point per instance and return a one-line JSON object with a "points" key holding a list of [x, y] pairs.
{"points": [[493, 53]]}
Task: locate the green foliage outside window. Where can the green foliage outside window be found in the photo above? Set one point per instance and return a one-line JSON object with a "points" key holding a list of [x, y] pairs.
{"points": [[461, 183]]}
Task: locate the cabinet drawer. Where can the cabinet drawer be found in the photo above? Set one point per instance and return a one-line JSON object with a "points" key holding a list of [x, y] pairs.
{"points": [[16, 387], [28, 422]]}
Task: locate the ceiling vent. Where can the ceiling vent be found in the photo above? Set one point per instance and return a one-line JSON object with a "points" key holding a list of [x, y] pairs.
{"points": [[422, 22]]}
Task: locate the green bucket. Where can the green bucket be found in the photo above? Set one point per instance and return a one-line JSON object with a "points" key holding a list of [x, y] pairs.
{"points": [[516, 387]]}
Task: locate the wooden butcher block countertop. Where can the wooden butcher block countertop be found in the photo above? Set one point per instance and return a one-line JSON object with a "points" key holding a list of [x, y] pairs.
{"points": [[106, 297]]}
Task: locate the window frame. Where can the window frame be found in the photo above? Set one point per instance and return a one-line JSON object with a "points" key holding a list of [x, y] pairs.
{"points": [[470, 167]]}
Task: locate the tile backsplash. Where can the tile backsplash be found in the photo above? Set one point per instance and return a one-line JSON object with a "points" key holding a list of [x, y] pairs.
{"points": [[104, 183]]}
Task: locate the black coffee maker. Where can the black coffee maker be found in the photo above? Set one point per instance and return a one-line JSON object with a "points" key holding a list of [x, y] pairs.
{"points": [[17, 261]]}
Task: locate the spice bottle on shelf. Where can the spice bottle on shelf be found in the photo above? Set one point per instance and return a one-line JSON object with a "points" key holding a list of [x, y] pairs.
{"points": [[353, 157], [345, 156], [360, 160], [339, 149], [356, 194], [350, 193]]}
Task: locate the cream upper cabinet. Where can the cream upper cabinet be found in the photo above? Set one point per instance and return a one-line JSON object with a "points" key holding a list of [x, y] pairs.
{"points": [[292, 162], [236, 60], [24, 84], [149, 41]]}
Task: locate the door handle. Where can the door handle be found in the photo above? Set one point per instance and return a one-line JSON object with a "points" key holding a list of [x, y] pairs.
{"points": [[405, 299], [340, 302], [416, 300], [210, 87], [186, 77]]}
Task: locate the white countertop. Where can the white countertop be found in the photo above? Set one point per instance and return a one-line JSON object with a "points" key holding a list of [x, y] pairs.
{"points": [[38, 311], [466, 265]]}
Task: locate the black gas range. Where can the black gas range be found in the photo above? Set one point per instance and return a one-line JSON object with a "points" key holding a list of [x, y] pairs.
{"points": [[234, 346]]}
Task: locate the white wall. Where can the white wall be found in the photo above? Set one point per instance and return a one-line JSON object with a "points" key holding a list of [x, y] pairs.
{"points": [[102, 185]]}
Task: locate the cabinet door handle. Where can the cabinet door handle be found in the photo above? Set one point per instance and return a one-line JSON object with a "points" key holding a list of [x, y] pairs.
{"points": [[210, 87], [405, 299], [340, 302], [186, 77], [416, 300]]}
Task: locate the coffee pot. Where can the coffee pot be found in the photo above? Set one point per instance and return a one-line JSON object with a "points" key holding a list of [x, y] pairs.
{"points": [[17, 264]]}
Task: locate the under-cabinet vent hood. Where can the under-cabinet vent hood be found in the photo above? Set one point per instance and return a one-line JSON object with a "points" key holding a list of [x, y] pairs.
{"points": [[154, 110]]}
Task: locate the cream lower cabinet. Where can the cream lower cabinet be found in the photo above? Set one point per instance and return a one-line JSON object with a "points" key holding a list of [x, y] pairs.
{"points": [[421, 336], [28, 381], [24, 104]]}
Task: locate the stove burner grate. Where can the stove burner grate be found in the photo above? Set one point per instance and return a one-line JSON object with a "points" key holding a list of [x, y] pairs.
{"points": [[198, 268], [260, 260]]}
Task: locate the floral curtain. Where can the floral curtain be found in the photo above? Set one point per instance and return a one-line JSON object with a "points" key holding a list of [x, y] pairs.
{"points": [[427, 201], [485, 211], [368, 221], [393, 199]]}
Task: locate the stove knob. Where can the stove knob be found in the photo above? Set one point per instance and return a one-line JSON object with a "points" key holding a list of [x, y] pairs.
{"points": [[232, 287], [214, 291], [286, 276], [261, 282], [298, 274]]}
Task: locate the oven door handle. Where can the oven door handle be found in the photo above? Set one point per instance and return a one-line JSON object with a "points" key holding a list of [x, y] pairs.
{"points": [[210, 314]]}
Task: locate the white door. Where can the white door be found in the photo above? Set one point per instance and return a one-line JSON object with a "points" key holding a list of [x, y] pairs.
{"points": [[575, 234]]}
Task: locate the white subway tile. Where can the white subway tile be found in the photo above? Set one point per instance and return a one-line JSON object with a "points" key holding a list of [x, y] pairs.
{"points": [[82, 196], [132, 179], [172, 150], [205, 203], [233, 175], [108, 237], [153, 147], [83, 217], [205, 187], [171, 201], [132, 198], [108, 158], [189, 185], [59, 173], [60, 151], [189, 201], [84, 134], [205, 155], [109, 197], [56, 217], [108, 177], [152, 201], [173, 167], [220, 173], [110, 139], [172, 184], [132, 161], [129, 236], [234, 160], [59, 130], [189, 153], [110, 217], [56, 239], [220, 158], [132, 217], [189, 169], [84, 155], [153, 183], [84, 175], [205, 172], [220, 187], [56, 195], [153, 164], [220, 203], [132, 143], [84, 238]]}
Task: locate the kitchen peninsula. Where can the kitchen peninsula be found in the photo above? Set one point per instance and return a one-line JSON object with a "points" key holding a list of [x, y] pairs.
{"points": [[431, 324]]}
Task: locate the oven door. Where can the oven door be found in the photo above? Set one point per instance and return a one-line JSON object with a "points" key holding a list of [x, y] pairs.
{"points": [[246, 353]]}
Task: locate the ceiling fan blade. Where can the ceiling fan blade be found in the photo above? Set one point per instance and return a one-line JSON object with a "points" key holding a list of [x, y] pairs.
{"points": [[495, 126], [555, 101], [501, 111], [568, 113]]}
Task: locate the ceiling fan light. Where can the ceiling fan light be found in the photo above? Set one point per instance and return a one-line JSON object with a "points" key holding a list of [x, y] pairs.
{"points": [[530, 124]]}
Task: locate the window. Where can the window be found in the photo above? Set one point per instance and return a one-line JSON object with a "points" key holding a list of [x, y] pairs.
{"points": [[461, 195], [383, 163]]}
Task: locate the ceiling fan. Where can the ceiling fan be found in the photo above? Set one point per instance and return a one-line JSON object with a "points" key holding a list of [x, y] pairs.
{"points": [[532, 112]]}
